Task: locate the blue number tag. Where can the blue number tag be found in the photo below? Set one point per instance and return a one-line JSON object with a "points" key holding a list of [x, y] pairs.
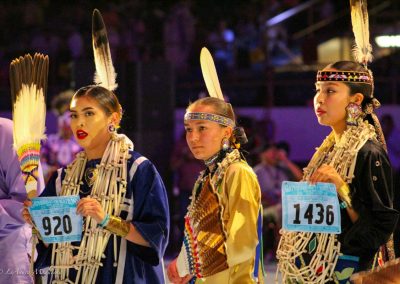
{"points": [[310, 208], [56, 218]]}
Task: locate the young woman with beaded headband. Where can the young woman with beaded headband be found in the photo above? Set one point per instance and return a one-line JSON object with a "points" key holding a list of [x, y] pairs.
{"points": [[123, 199], [353, 157], [222, 224]]}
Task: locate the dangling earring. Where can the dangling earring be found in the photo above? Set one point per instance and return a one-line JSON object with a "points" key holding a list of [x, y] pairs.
{"points": [[225, 144], [353, 113], [111, 128]]}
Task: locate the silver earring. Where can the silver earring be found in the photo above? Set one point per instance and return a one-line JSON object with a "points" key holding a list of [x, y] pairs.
{"points": [[225, 144], [111, 128]]}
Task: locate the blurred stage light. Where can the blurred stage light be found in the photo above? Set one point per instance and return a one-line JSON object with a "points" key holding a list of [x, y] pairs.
{"points": [[388, 41]]}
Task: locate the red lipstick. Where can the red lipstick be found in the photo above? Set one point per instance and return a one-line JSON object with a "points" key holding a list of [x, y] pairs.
{"points": [[320, 112], [80, 134]]}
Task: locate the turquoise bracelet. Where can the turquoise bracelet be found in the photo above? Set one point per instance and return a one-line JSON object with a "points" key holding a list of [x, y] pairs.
{"points": [[104, 222]]}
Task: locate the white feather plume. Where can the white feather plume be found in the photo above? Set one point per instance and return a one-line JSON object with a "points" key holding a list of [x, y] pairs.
{"points": [[359, 18], [210, 74], [105, 75], [29, 116]]}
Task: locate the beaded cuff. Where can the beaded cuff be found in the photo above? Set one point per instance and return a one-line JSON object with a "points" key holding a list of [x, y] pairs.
{"points": [[344, 76], [210, 117]]}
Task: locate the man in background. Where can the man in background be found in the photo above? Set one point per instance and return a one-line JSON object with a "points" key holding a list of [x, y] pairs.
{"points": [[275, 167]]}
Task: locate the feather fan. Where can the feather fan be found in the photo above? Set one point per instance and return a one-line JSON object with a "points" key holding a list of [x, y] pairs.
{"points": [[28, 80], [359, 19], [210, 74], [105, 75]]}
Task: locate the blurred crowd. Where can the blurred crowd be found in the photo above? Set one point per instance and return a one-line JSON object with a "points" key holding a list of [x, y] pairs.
{"points": [[243, 44], [138, 31]]}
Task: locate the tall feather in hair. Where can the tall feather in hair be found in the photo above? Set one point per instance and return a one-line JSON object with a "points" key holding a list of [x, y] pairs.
{"points": [[28, 80], [105, 75], [210, 74], [359, 19]]}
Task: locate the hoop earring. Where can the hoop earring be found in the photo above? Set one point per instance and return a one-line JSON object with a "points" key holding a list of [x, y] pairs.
{"points": [[111, 128], [225, 144], [354, 111]]}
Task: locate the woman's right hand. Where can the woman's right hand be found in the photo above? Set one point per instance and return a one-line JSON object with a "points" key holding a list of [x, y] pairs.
{"points": [[173, 274], [25, 212]]}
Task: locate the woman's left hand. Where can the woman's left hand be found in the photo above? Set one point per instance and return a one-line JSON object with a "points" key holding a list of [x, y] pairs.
{"points": [[326, 173], [90, 207]]}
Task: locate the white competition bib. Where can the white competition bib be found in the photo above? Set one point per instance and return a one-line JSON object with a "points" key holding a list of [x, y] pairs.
{"points": [[310, 208], [56, 218]]}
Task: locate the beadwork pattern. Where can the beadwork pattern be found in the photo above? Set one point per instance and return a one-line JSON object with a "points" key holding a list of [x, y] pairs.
{"points": [[344, 76], [210, 117]]}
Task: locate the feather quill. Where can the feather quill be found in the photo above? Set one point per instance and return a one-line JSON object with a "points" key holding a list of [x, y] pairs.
{"points": [[28, 80], [359, 18], [105, 75], [210, 74]]}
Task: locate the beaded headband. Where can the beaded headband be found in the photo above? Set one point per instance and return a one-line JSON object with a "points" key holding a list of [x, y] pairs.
{"points": [[345, 76], [210, 117]]}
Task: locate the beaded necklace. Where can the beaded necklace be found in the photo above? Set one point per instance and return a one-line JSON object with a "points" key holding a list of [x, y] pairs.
{"points": [[211, 160], [109, 189]]}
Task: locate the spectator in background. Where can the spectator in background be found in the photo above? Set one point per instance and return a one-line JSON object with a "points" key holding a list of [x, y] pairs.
{"points": [[221, 42], [247, 41], [274, 36], [59, 149], [179, 34], [275, 167], [132, 39], [75, 43]]}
